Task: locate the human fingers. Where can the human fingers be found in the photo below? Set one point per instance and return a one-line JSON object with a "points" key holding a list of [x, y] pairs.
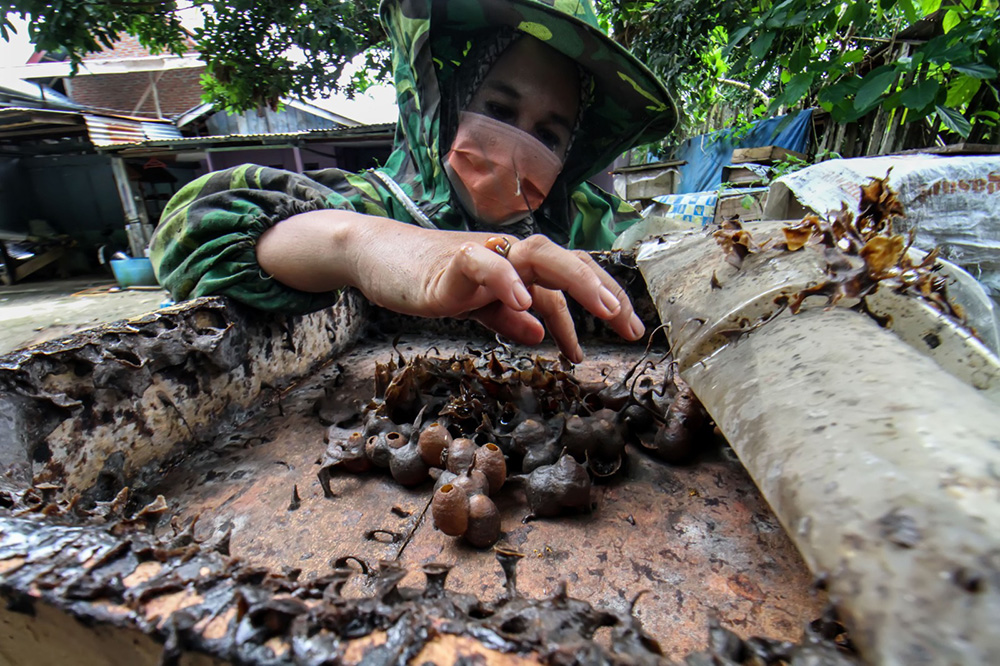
{"points": [[626, 323], [518, 326], [539, 260], [475, 276], [551, 305]]}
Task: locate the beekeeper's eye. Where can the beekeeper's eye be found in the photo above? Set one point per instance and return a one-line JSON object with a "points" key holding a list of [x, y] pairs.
{"points": [[551, 140], [501, 112]]}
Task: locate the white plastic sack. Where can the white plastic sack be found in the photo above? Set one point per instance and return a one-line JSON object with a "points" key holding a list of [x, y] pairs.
{"points": [[954, 202]]}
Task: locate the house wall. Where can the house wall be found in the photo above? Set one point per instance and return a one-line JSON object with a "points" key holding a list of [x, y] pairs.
{"points": [[355, 158], [179, 90], [157, 182], [276, 158], [16, 199], [265, 121], [314, 156], [76, 195], [126, 46]]}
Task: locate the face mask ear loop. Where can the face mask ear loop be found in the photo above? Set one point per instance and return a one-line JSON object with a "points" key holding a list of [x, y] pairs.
{"points": [[531, 213]]}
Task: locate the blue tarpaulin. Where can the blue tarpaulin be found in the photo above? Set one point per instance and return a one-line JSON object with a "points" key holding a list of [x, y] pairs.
{"points": [[708, 153]]}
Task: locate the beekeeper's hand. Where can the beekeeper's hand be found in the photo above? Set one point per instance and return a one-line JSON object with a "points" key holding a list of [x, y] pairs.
{"points": [[431, 273]]}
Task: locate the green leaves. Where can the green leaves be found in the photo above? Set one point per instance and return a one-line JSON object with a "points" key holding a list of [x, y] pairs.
{"points": [[910, 10], [961, 91], [738, 36], [243, 42], [796, 88], [952, 18], [851, 57], [874, 86], [978, 70], [846, 57], [954, 121], [988, 118], [789, 52], [920, 96], [761, 45], [942, 50]]}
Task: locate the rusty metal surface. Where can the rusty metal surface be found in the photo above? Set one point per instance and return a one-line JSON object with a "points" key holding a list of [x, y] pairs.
{"points": [[882, 466], [52, 635], [214, 408], [699, 539], [205, 606]]}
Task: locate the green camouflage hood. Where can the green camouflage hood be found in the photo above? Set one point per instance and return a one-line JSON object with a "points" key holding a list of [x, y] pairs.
{"points": [[206, 240], [430, 39]]}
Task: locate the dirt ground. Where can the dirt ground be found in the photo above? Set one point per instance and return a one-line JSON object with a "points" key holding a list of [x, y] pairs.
{"points": [[32, 312]]}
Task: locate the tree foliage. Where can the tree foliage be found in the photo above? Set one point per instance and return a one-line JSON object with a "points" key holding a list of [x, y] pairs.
{"points": [[823, 54], [926, 61], [256, 51], [681, 41]]}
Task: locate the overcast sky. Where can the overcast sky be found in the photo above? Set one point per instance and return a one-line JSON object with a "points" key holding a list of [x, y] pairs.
{"points": [[18, 49], [378, 105]]}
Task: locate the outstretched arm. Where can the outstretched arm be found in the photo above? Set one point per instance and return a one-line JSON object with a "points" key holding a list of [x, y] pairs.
{"points": [[412, 270]]}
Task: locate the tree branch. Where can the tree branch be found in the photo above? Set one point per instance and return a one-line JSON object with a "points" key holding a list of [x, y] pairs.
{"points": [[744, 86]]}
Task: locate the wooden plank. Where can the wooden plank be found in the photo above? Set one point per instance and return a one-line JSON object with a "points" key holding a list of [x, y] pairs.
{"points": [[891, 139], [849, 148], [36, 263], [649, 184], [877, 133], [837, 144], [740, 176], [653, 166], [728, 206], [764, 155]]}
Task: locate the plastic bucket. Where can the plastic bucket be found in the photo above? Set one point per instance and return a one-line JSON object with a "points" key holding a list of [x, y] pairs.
{"points": [[134, 272]]}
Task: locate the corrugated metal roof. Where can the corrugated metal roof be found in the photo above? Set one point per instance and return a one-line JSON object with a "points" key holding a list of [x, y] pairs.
{"points": [[160, 131], [104, 129], [193, 114], [119, 130], [12, 110], [203, 109], [364, 131]]}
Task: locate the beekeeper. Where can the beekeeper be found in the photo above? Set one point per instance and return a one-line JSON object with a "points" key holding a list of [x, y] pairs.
{"points": [[482, 210]]}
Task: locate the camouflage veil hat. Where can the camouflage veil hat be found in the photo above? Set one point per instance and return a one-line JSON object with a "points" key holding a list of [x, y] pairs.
{"points": [[630, 104]]}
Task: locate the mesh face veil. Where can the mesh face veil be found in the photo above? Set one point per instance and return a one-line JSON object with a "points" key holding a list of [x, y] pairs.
{"points": [[492, 202], [500, 173]]}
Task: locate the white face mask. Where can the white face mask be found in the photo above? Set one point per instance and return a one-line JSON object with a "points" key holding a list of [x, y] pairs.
{"points": [[499, 172]]}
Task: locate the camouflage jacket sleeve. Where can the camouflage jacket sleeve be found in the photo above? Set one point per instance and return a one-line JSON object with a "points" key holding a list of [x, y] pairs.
{"points": [[600, 217], [206, 241]]}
